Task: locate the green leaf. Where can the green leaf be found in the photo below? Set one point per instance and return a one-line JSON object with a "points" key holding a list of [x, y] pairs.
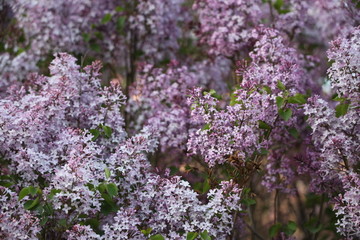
{"points": [[119, 9], [248, 201], [274, 229], [32, 190], [278, 4], [213, 93], [205, 235], [23, 193], [339, 99], [62, 222], [267, 89], [95, 47], [86, 37], [31, 203], [233, 99], [173, 170], [112, 189], [279, 101], [280, 85], [312, 225], [156, 237], [6, 183], [206, 127], [147, 231], [107, 173], [52, 193], [106, 18], [297, 99], [341, 109], [206, 186], [285, 113], [95, 133], [191, 235], [290, 228], [107, 131], [294, 132], [44, 220], [120, 24], [264, 125], [263, 151]]}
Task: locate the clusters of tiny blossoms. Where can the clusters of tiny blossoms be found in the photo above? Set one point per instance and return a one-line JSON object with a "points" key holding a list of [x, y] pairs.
{"points": [[158, 98], [15, 221], [225, 25], [336, 131], [344, 73], [79, 27], [251, 122], [63, 138]]}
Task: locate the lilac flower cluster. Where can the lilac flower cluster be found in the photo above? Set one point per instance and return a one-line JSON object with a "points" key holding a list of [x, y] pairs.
{"points": [[63, 138], [225, 26], [336, 131], [251, 123], [79, 27]]}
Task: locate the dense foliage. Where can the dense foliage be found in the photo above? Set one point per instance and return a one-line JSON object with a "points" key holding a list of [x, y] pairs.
{"points": [[179, 119]]}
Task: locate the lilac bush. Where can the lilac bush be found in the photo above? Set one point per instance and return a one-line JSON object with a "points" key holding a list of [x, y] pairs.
{"points": [[179, 119]]}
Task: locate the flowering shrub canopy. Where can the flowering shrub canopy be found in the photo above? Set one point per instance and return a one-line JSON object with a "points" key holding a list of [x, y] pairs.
{"points": [[179, 119]]}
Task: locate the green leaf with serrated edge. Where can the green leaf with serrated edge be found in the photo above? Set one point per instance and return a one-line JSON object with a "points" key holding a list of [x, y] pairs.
{"points": [[285, 114], [280, 85], [147, 231], [106, 18], [31, 203], [191, 235], [23, 193], [279, 102], [112, 189], [274, 229], [205, 235], [107, 173], [290, 228], [341, 109], [156, 237]]}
